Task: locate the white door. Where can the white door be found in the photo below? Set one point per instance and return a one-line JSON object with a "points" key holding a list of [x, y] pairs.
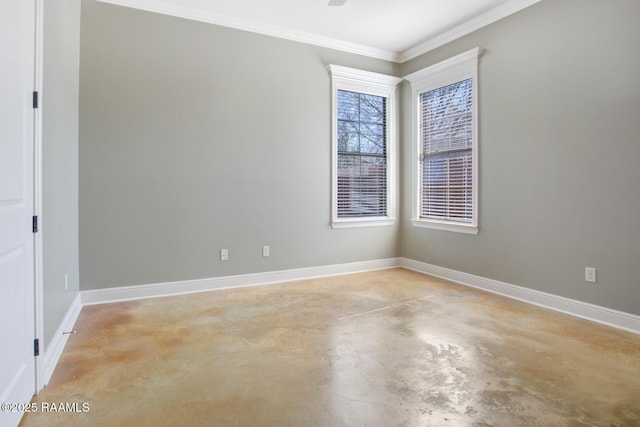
{"points": [[17, 71]]}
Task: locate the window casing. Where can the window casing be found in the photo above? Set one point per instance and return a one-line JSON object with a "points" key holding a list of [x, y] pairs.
{"points": [[363, 148], [445, 144]]}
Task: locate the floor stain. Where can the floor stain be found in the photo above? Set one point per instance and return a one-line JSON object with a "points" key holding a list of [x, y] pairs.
{"points": [[384, 348]]}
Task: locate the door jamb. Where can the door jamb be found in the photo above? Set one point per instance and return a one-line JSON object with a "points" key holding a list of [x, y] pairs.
{"points": [[37, 197]]}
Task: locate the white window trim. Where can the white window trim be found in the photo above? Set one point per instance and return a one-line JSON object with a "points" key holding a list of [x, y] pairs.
{"points": [[351, 79], [452, 70]]}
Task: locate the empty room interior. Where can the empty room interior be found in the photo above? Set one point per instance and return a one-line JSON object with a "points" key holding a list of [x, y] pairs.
{"points": [[369, 214]]}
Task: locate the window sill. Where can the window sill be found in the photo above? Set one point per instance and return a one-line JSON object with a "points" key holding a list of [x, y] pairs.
{"points": [[445, 226], [359, 222]]}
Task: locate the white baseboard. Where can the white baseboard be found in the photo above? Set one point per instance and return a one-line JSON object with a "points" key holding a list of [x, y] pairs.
{"points": [[603, 315], [126, 293], [53, 350], [617, 319]]}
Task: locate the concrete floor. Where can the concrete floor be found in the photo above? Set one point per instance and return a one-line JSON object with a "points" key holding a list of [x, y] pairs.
{"points": [[385, 348]]}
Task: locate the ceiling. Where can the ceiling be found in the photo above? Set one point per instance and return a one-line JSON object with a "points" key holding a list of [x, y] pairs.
{"points": [[395, 30]]}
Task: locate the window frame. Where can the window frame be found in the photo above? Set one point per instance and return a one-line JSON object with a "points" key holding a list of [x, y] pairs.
{"points": [[369, 83], [453, 70]]}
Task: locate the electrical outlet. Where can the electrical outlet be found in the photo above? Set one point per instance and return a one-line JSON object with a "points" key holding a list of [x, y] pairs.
{"points": [[224, 254], [266, 250], [590, 274]]}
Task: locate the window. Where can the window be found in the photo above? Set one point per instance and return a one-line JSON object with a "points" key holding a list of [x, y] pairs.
{"points": [[362, 155], [363, 148], [446, 144]]}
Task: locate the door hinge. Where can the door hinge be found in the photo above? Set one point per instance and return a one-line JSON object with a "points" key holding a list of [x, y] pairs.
{"points": [[36, 347], [34, 224], [35, 99]]}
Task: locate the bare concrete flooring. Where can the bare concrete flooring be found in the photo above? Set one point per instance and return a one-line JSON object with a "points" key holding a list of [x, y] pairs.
{"points": [[385, 348]]}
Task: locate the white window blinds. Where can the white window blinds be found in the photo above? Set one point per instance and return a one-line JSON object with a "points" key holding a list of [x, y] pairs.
{"points": [[445, 144], [362, 155], [363, 152], [446, 158]]}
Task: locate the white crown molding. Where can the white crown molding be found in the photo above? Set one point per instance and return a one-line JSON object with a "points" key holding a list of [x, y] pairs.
{"points": [[53, 350], [465, 28], [606, 316], [200, 15], [167, 8]]}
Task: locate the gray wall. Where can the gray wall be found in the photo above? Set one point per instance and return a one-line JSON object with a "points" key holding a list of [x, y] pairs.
{"points": [[559, 149], [59, 108], [195, 138]]}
